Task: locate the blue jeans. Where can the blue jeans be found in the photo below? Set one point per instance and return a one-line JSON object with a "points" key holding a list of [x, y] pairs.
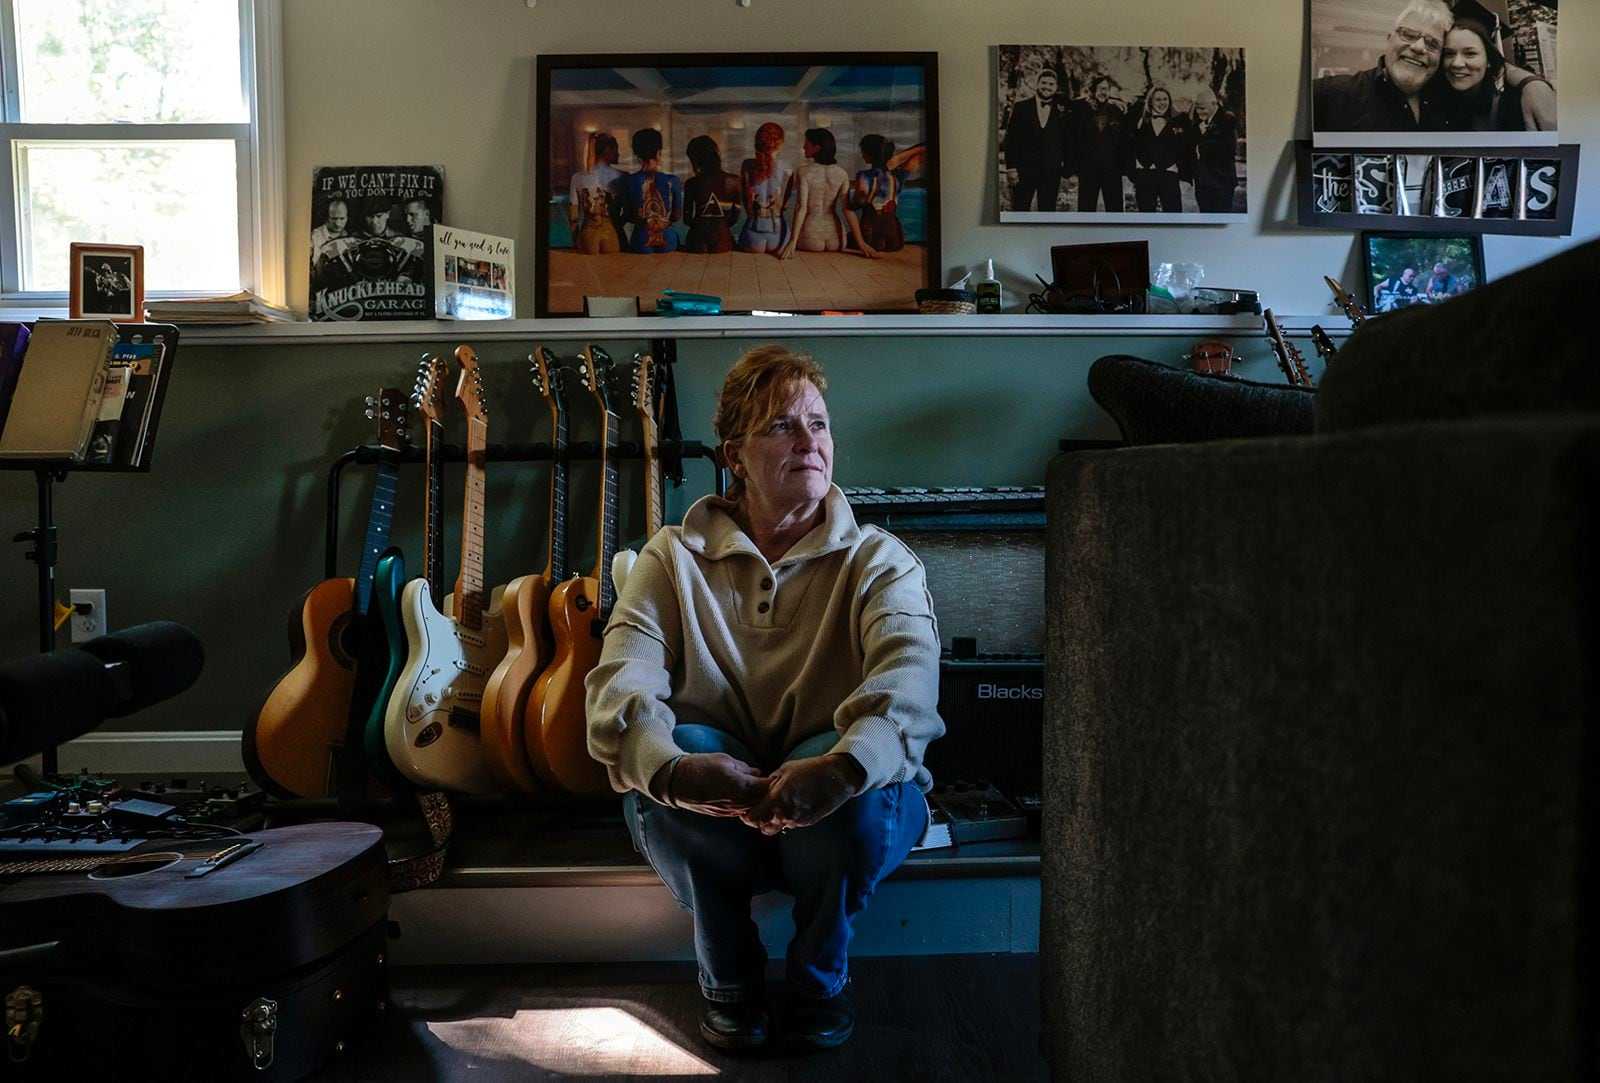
{"points": [[714, 865]]}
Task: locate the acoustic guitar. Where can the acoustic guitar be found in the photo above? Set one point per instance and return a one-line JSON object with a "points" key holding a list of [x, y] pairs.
{"points": [[431, 727], [642, 390], [390, 581], [1291, 361], [530, 645], [292, 747], [578, 611]]}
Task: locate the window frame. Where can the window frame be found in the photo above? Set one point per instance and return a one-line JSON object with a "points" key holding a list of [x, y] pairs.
{"points": [[259, 155]]}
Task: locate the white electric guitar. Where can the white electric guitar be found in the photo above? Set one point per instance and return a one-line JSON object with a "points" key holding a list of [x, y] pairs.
{"points": [[432, 723]]}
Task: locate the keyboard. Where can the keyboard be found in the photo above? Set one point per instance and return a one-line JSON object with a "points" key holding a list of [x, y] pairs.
{"points": [[912, 500]]}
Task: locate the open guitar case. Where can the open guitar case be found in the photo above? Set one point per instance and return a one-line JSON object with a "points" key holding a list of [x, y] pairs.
{"points": [[266, 972]]}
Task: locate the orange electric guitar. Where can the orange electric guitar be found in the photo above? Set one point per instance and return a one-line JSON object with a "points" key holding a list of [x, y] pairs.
{"points": [[578, 611], [530, 645], [290, 746]]}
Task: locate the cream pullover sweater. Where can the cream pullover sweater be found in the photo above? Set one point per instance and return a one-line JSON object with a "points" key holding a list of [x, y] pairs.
{"points": [[838, 633]]}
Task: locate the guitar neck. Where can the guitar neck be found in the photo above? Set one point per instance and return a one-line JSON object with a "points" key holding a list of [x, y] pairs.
{"points": [[652, 479], [470, 600], [606, 530], [433, 517], [380, 517], [556, 567]]}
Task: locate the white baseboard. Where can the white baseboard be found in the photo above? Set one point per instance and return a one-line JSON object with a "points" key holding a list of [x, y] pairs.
{"points": [[154, 752]]}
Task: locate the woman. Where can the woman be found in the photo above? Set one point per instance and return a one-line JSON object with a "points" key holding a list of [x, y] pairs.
{"points": [[1158, 145], [710, 199], [768, 684], [875, 196], [820, 214], [592, 206], [765, 181], [652, 200], [1477, 90]]}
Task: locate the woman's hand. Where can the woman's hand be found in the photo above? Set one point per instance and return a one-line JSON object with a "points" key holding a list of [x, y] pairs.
{"points": [[1538, 106], [787, 251], [716, 784], [803, 792]]}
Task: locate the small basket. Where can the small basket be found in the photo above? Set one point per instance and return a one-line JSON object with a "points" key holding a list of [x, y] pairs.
{"points": [[947, 302]]}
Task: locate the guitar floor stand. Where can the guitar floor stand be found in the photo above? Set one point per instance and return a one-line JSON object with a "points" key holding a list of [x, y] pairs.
{"points": [[43, 554]]}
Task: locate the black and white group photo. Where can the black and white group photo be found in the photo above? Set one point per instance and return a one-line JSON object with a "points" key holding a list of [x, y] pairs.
{"points": [[372, 241], [1121, 133], [1434, 72]]}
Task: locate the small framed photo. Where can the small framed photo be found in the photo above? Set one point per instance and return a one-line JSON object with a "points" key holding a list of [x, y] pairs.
{"points": [[107, 282], [1409, 269]]}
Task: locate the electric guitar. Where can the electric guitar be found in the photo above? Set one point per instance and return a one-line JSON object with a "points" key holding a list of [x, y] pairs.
{"points": [[525, 606], [578, 611], [642, 390], [1324, 344], [290, 747], [390, 581], [431, 727], [1290, 360], [1348, 304]]}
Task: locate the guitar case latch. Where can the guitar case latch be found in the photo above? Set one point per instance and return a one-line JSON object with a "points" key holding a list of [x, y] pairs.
{"points": [[24, 1014], [258, 1026]]}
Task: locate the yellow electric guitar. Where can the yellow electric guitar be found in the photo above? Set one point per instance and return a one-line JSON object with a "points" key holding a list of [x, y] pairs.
{"points": [[431, 728], [525, 605], [558, 733]]}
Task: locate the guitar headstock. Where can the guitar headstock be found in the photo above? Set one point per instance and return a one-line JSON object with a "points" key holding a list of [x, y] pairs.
{"points": [[469, 389], [389, 411], [1291, 362], [594, 369], [1324, 343], [549, 378], [1346, 302], [642, 387], [427, 394]]}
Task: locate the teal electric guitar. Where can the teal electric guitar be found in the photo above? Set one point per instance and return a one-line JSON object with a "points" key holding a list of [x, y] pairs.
{"points": [[390, 581]]}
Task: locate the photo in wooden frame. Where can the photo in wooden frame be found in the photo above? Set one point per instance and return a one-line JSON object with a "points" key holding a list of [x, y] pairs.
{"points": [[107, 282], [799, 182]]}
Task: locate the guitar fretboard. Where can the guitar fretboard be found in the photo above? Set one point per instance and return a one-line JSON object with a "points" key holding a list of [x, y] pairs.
{"points": [[608, 513], [652, 480], [557, 566], [433, 517], [380, 518], [470, 602]]}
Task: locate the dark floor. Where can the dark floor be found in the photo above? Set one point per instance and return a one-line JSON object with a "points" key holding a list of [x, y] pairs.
{"points": [[941, 1017]]}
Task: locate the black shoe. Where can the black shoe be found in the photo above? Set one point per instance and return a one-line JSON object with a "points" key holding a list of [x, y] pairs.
{"points": [[737, 1027], [821, 1024]]}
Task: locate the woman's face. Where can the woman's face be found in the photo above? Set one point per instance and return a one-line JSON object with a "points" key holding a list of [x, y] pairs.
{"points": [[1160, 103], [1465, 60], [809, 149], [788, 463]]}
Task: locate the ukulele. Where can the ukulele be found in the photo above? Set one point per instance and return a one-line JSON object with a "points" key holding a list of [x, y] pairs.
{"points": [[578, 611], [530, 645], [432, 722], [641, 389], [390, 581], [1290, 360], [290, 748]]}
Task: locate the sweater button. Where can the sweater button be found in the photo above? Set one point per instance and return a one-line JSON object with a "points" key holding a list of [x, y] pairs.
{"points": [[766, 583], [763, 607]]}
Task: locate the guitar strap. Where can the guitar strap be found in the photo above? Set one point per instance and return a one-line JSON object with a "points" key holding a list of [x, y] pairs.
{"points": [[668, 426]]}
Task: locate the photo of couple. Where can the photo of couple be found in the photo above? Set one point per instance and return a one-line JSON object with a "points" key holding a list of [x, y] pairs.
{"points": [[1434, 72], [1121, 133]]}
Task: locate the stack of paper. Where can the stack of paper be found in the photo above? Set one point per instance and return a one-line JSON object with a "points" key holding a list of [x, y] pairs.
{"points": [[234, 308]]}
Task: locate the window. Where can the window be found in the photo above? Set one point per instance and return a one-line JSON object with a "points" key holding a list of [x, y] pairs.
{"points": [[150, 122]]}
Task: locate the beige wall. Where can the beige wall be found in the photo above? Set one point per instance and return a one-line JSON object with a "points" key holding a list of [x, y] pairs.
{"points": [[451, 82]]}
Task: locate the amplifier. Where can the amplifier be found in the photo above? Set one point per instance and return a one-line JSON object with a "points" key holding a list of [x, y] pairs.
{"points": [[993, 711]]}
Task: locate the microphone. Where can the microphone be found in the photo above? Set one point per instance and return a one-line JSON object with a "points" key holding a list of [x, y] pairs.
{"points": [[48, 699]]}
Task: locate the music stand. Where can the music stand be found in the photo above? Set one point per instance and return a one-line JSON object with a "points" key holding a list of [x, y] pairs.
{"points": [[156, 345]]}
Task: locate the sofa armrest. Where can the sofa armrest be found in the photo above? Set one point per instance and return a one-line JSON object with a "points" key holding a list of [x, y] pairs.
{"points": [[1316, 757]]}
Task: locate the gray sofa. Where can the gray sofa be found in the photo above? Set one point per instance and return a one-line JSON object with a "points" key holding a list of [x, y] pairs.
{"points": [[1319, 777]]}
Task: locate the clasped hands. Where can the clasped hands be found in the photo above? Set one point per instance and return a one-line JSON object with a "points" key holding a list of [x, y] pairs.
{"points": [[798, 793]]}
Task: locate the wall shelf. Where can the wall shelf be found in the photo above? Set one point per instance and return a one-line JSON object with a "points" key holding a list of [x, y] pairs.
{"points": [[742, 327]]}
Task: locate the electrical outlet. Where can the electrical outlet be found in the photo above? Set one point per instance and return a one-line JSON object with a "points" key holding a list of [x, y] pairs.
{"points": [[90, 622]]}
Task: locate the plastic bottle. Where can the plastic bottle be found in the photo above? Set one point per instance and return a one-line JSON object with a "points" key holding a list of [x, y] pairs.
{"points": [[988, 290]]}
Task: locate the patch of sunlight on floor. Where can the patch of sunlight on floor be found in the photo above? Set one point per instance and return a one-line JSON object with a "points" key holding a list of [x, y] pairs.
{"points": [[577, 1041]]}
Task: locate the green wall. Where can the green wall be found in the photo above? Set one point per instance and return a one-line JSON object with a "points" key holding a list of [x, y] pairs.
{"points": [[226, 533]]}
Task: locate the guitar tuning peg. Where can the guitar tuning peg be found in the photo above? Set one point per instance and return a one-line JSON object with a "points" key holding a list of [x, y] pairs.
{"points": [[368, 413]]}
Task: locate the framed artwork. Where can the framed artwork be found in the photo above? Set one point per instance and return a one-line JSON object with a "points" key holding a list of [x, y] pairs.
{"points": [[796, 182], [1141, 133], [107, 282], [1396, 74], [1409, 269]]}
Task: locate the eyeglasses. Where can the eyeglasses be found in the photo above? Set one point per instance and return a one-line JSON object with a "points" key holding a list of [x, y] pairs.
{"points": [[1411, 37]]}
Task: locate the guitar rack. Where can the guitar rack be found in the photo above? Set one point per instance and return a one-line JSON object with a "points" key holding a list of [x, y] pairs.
{"points": [[579, 451]]}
